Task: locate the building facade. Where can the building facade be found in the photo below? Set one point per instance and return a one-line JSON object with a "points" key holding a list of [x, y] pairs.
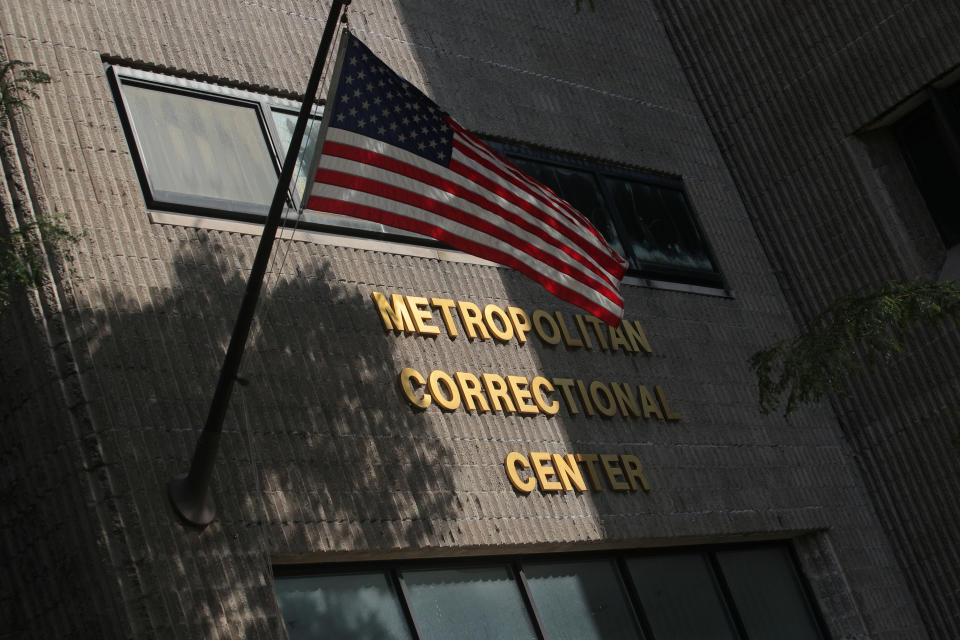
{"points": [[424, 444]]}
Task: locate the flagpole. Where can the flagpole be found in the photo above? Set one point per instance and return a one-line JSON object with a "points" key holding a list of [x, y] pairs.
{"points": [[190, 492]]}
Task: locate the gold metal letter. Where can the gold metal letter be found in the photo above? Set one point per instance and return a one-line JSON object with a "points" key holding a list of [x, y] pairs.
{"points": [[536, 385], [636, 335], [566, 388], [634, 469], [649, 405], [472, 320], [511, 463], [451, 400], [419, 315], [471, 390], [394, 314], [445, 305], [587, 405], [489, 312], [541, 317], [497, 392], [598, 326], [406, 375], [541, 466], [669, 415], [569, 472], [613, 471], [597, 389], [591, 459], [625, 399], [520, 395], [618, 340], [521, 323], [567, 338], [583, 331]]}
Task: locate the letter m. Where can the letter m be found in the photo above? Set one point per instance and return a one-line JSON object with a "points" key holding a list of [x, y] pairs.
{"points": [[393, 313]]}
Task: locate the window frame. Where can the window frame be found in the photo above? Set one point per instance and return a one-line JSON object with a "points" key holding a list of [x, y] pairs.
{"points": [[393, 570], [648, 269], [264, 105]]}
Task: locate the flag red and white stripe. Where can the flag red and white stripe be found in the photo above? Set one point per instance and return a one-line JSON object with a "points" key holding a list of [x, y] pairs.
{"points": [[466, 195]]}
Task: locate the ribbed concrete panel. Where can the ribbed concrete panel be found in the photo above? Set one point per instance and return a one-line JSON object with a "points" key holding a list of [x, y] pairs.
{"points": [[322, 459], [803, 82]]}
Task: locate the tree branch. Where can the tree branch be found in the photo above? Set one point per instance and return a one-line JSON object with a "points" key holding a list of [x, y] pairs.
{"points": [[855, 333]]}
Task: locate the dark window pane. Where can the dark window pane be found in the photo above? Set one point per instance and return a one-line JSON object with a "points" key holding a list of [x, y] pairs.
{"points": [[470, 604], [580, 189], [933, 169], [768, 595], [351, 607], [201, 152], [581, 601], [680, 597], [658, 225]]}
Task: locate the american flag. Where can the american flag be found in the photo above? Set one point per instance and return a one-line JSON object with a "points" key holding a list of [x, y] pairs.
{"points": [[392, 156]]}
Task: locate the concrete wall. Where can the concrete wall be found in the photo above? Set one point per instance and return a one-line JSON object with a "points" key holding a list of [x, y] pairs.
{"points": [[798, 98], [322, 459]]}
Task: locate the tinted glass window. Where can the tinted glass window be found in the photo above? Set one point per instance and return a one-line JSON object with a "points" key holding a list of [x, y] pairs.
{"points": [[580, 189], [923, 140], [768, 594], [482, 603], [647, 219], [680, 596], [581, 601], [722, 593], [658, 226], [352, 606]]}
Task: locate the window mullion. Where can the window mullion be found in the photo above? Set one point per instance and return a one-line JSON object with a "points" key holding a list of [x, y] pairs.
{"points": [[634, 597], [609, 203], [397, 578], [726, 595], [273, 134], [528, 601]]}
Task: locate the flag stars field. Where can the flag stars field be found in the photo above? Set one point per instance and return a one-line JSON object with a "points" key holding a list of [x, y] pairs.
{"points": [[393, 157]]}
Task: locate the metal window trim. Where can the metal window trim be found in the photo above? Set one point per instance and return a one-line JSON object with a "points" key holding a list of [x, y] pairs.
{"points": [[599, 169], [198, 86], [188, 210], [618, 557], [263, 106]]}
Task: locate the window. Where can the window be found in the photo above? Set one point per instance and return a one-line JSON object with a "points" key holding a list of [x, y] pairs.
{"points": [[202, 148], [210, 150], [740, 592], [646, 218], [930, 140]]}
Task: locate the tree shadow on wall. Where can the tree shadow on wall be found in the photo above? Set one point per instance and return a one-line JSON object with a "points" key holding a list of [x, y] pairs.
{"points": [[319, 452]]}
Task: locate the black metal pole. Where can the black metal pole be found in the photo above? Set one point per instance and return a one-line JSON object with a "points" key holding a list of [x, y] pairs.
{"points": [[190, 493]]}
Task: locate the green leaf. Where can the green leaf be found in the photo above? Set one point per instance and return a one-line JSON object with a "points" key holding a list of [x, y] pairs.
{"points": [[854, 333]]}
